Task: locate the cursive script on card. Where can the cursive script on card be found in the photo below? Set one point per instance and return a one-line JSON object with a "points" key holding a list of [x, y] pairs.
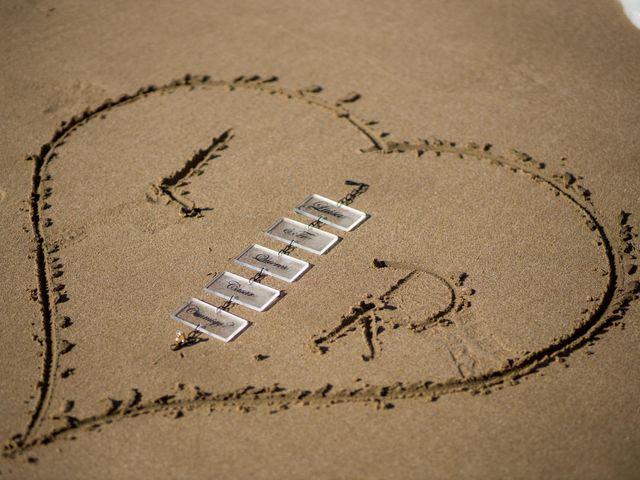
{"points": [[266, 258], [325, 208], [305, 234], [235, 286], [195, 311]]}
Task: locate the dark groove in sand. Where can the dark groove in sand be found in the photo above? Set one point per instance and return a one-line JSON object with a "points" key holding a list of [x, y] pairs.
{"points": [[49, 356]]}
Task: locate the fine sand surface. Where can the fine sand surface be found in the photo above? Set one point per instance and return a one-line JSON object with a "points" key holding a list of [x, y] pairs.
{"points": [[482, 321]]}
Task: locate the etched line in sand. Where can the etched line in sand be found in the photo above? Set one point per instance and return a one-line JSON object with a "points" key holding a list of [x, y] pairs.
{"points": [[171, 187], [49, 358], [605, 311]]}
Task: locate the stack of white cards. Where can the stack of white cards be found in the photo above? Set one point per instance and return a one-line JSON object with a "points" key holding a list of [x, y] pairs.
{"points": [[235, 289]]}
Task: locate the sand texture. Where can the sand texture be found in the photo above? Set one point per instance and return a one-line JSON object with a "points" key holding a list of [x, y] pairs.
{"points": [[482, 322]]}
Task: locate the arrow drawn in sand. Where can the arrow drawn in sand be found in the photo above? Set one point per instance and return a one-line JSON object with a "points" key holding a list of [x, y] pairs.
{"points": [[171, 187]]}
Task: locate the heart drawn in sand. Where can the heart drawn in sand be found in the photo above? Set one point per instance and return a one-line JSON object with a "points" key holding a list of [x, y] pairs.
{"points": [[456, 281]]}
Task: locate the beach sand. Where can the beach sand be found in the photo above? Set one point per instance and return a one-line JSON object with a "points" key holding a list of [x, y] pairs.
{"points": [[481, 322]]}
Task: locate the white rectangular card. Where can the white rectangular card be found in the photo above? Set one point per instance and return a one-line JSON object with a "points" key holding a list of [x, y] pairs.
{"points": [[210, 319], [331, 212], [302, 236], [276, 264], [244, 292]]}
